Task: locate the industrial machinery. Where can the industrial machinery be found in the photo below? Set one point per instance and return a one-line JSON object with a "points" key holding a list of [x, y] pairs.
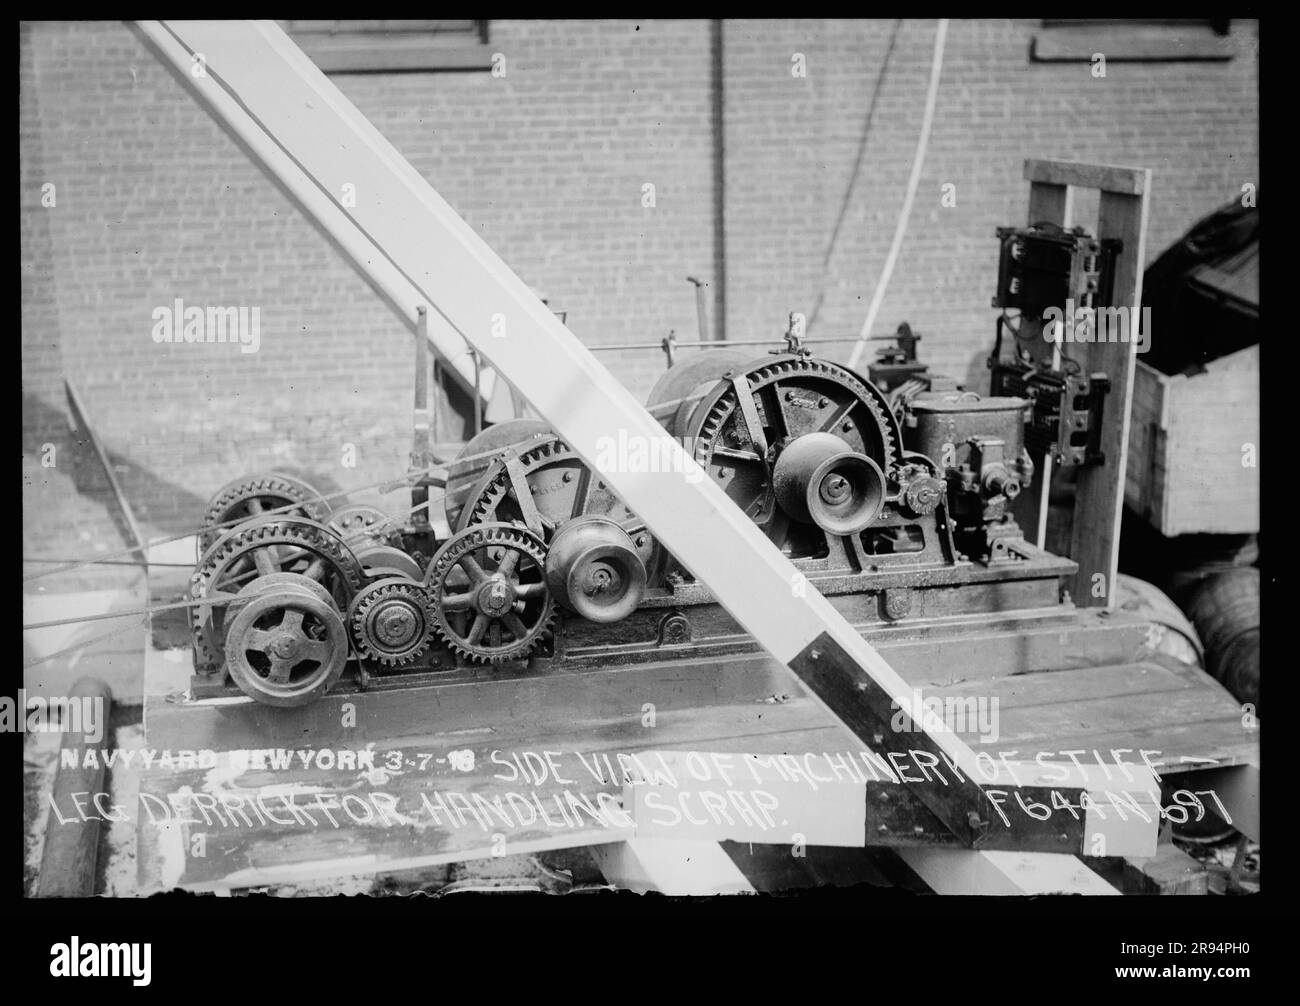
{"points": [[893, 505], [1041, 268]]}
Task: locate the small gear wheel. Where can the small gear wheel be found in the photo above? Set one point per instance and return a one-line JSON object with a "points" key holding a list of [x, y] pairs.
{"points": [[392, 621], [252, 496], [488, 585]]}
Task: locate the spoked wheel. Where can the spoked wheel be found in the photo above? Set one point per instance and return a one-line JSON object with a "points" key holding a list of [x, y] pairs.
{"points": [[288, 645], [258, 550], [491, 603], [471, 464], [254, 495]]}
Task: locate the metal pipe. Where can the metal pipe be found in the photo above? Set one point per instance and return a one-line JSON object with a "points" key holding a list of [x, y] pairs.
{"points": [[701, 313], [662, 346]]}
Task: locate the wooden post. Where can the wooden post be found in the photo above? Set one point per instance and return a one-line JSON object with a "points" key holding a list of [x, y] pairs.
{"points": [[1099, 494], [71, 848]]}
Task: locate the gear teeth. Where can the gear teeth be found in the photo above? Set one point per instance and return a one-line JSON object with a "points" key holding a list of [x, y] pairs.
{"points": [[759, 377], [481, 536], [219, 506], [382, 590], [305, 533]]}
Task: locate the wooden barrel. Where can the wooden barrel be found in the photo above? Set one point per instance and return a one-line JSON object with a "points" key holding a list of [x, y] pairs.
{"points": [[1174, 635], [1225, 610]]}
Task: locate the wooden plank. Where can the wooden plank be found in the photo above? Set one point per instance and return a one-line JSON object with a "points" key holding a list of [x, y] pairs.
{"points": [[81, 422], [1169, 871], [720, 797], [1050, 203], [1099, 494], [964, 871], [549, 714], [1111, 178], [1208, 419], [671, 867], [1144, 482]]}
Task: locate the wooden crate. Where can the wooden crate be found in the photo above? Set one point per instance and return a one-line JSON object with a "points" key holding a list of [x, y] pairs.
{"points": [[1188, 470]]}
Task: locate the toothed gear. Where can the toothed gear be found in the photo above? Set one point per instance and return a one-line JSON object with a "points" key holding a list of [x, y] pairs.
{"points": [[556, 476], [289, 545], [490, 601], [250, 496], [392, 621], [793, 396], [879, 440]]}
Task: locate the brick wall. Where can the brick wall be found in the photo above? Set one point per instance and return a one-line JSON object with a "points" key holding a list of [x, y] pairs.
{"points": [[154, 202], [792, 143]]}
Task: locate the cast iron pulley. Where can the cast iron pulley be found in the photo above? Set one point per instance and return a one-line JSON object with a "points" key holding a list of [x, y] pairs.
{"points": [[804, 446], [287, 644], [545, 485], [593, 569], [490, 600]]}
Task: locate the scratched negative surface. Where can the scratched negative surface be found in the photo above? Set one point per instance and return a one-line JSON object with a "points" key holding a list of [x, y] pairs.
{"points": [[529, 763]]}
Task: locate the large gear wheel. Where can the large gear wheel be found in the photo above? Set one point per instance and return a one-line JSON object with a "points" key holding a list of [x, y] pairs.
{"points": [[489, 592], [470, 465], [287, 645], [791, 396], [680, 387], [392, 621], [260, 548], [562, 488], [253, 495]]}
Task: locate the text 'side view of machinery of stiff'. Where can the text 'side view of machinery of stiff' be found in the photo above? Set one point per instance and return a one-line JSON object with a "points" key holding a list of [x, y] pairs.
{"points": [[813, 603]]}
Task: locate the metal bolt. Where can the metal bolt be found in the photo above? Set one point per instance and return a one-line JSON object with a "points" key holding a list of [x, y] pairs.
{"points": [[568, 476]]}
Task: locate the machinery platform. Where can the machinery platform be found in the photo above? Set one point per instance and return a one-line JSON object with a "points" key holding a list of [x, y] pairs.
{"points": [[415, 777]]}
